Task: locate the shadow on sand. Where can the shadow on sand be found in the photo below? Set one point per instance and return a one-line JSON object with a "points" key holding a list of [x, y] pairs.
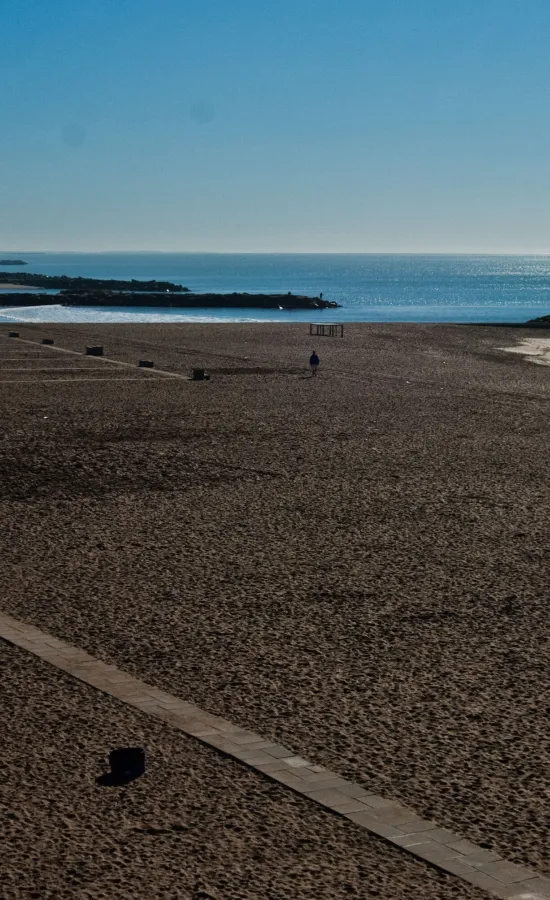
{"points": [[110, 779]]}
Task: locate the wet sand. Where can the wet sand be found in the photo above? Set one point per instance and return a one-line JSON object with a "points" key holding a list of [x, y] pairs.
{"points": [[354, 565]]}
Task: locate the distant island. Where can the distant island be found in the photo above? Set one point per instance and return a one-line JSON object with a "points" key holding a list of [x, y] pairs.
{"points": [[12, 262], [66, 283]]}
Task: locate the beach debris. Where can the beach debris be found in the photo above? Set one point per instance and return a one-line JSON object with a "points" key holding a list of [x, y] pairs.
{"points": [[48, 341], [200, 375], [13, 334], [146, 364], [94, 351]]}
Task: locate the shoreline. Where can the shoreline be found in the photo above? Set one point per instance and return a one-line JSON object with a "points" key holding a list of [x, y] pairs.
{"points": [[243, 315]]}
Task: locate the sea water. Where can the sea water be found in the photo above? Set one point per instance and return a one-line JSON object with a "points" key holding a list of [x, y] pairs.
{"points": [[369, 287]]}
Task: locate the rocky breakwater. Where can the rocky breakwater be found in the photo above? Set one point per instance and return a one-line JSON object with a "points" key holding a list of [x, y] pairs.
{"points": [[541, 322], [181, 299], [188, 300]]}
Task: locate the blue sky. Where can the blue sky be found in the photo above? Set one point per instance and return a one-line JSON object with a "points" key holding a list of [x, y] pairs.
{"points": [[243, 125]]}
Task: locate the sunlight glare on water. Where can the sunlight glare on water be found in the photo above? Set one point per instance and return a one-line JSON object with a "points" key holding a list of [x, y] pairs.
{"points": [[370, 288]]}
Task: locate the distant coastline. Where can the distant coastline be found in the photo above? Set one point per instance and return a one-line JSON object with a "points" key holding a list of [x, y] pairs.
{"points": [[79, 291], [12, 262], [80, 284]]}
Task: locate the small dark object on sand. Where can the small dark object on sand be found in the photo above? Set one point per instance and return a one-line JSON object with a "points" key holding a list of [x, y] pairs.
{"points": [[146, 364], [48, 341], [200, 375], [127, 764], [94, 351], [14, 334], [127, 761]]}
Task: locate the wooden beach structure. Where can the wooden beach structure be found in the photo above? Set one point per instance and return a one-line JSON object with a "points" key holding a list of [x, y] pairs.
{"points": [[326, 329]]}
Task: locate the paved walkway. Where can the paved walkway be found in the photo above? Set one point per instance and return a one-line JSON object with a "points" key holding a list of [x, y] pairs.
{"points": [[383, 817], [71, 380], [104, 359]]}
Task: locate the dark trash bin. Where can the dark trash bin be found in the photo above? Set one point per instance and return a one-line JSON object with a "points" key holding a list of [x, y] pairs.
{"points": [[94, 351], [146, 364], [48, 341], [127, 762]]}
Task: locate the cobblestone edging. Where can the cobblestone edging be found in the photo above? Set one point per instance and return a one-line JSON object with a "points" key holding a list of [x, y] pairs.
{"points": [[385, 818]]}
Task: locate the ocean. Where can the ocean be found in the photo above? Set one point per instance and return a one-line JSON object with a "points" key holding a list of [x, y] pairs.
{"points": [[369, 287]]}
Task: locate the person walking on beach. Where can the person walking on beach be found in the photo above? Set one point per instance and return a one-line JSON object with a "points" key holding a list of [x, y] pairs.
{"points": [[313, 363]]}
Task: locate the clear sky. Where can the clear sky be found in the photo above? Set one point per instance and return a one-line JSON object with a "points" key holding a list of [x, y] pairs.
{"points": [[284, 125]]}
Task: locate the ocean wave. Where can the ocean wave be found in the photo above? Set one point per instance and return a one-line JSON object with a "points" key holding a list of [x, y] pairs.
{"points": [[88, 314]]}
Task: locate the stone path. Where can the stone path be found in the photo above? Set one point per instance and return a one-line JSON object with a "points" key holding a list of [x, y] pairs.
{"points": [[71, 380], [383, 817], [104, 359]]}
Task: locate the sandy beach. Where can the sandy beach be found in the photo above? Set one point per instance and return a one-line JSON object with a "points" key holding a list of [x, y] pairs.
{"points": [[535, 350], [354, 565], [196, 826]]}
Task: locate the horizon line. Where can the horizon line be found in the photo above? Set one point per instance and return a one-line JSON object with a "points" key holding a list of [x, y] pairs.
{"points": [[296, 252]]}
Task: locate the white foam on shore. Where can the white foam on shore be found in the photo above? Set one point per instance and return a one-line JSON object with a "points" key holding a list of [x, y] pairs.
{"points": [[535, 350], [57, 313]]}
